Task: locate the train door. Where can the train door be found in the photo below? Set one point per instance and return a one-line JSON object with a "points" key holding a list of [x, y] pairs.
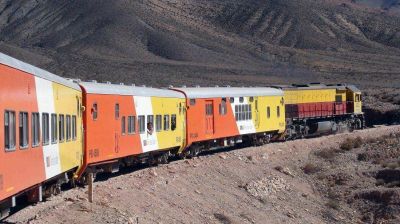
{"points": [[257, 118], [209, 117], [117, 127]]}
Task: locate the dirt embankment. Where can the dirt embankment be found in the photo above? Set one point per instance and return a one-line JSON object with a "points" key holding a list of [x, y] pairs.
{"points": [[252, 185]]}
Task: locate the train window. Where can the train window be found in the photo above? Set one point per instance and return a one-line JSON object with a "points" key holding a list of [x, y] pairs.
{"points": [[158, 123], [142, 124], [192, 102], [241, 99], [268, 112], [69, 128], [278, 111], [131, 124], [94, 111], [117, 111], [237, 112], [232, 100], [123, 125], [250, 114], [61, 128], [358, 98], [251, 99], [150, 123], [9, 131], [173, 122], [45, 128], [166, 122], [222, 107], [74, 127], [54, 128], [209, 109], [23, 130], [338, 98], [35, 129]]}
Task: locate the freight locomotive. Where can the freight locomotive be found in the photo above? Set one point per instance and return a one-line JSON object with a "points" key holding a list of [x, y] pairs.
{"points": [[56, 131]]}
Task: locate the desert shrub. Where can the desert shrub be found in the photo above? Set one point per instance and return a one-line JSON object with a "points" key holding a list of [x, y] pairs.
{"points": [[351, 143], [362, 157], [333, 203], [328, 154], [380, 182], [311, 168], [223, 218], [278, 168]]}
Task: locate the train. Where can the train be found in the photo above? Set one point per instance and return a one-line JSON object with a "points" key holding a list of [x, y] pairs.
{"points": [[58, 131]]}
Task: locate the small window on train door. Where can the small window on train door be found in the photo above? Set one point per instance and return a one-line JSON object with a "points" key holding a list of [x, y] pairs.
{"points": [[94, 111], [173, 122], [23, 130], [74, 127], [54, 128], [268, 112], [61, 128], [241, 99], [166, 122], [142, 124], [232, 100], [9, 131], [192, 102], [158, 123], [117, 111], [123, 125], [69, 127], [278, 111], [222, 107], [45, 128]]}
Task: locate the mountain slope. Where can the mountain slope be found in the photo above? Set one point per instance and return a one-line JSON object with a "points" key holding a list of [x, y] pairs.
{"points": [[161, 42]]}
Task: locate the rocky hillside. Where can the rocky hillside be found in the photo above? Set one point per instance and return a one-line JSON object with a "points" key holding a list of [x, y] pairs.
{"points": [[237, 42]]}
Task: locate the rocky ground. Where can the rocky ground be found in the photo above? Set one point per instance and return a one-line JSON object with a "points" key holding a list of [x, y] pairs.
{"points": [[331, 179]]}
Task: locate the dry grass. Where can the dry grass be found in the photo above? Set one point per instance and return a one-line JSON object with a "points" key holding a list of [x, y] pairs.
{"points": [[351, 143], [311, 168]]}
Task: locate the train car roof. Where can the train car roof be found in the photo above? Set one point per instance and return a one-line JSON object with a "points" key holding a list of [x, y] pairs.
{"points": [[125, 90], [318, 86], [210, 92], [35, 71]]}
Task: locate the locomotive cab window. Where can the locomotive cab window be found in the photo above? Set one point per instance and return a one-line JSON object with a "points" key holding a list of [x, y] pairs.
{"points": [[45, 128], [54, 128], [338, 98], [358, 98], [173, 122], [9, 131], [23, 130]]}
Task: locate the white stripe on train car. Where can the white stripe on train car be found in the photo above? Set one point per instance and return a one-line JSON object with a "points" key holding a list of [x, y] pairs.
{"points": [[245, 126], [51, 152], [144, 107]]}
